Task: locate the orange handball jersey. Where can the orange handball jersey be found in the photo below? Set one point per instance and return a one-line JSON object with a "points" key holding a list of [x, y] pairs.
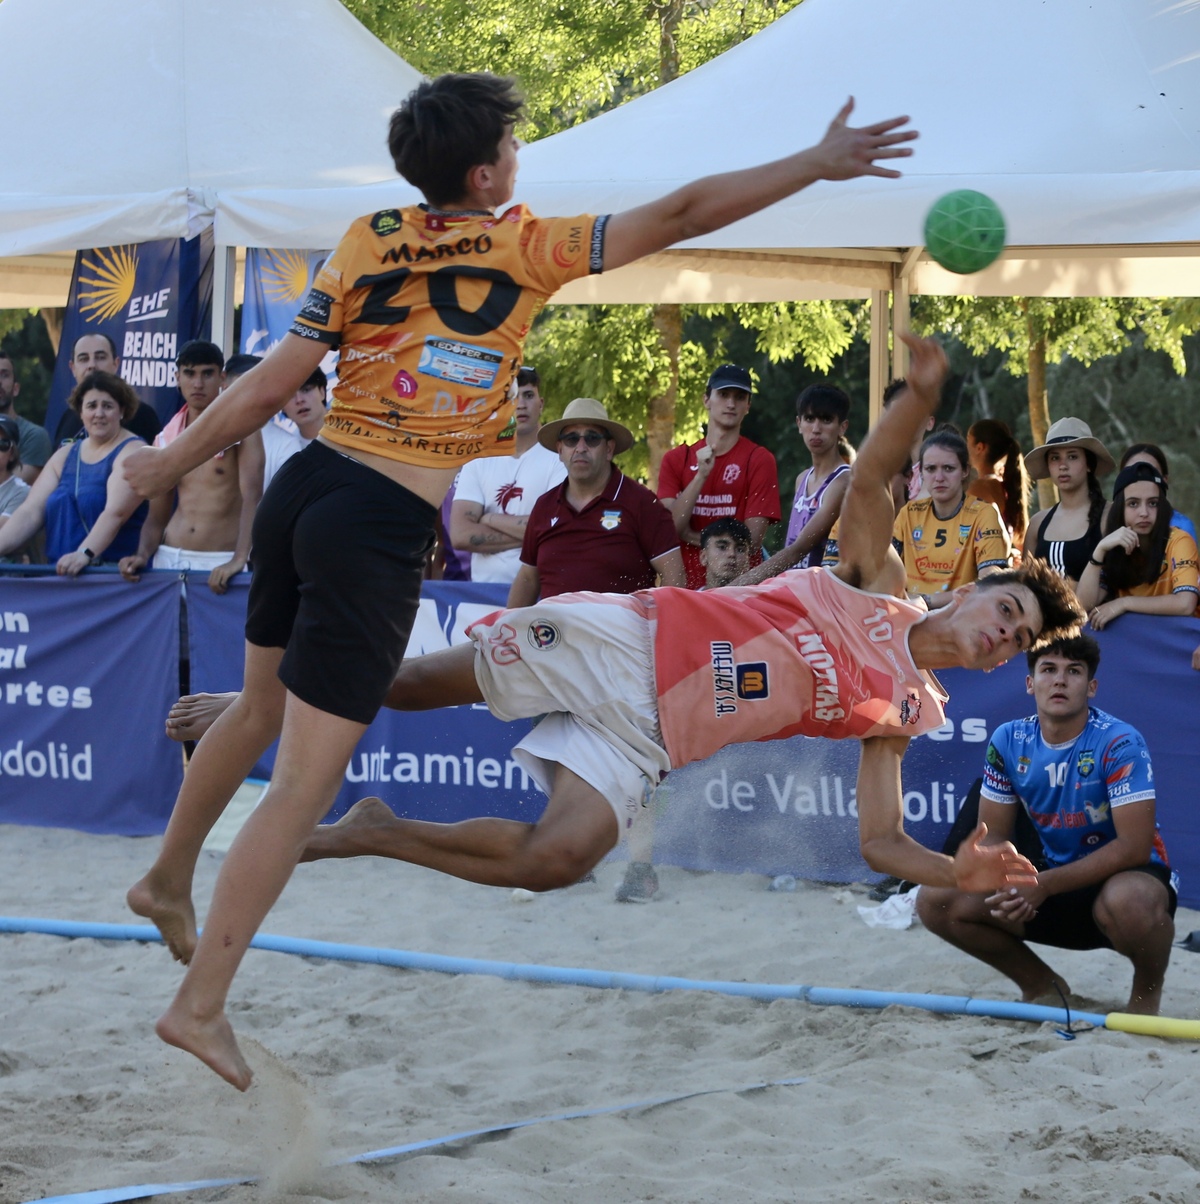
{"points": [[944, 553], [804, 654], [431, 313], [1179, 573]]}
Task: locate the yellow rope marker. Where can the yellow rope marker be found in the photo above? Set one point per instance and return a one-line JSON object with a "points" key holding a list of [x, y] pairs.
{"points": [[1153, 1026]]}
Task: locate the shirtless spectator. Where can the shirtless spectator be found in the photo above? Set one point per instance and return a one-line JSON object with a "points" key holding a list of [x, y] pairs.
{"points": [[295, 426], [493, 497], [725, 475], [34, 445], [98, 353], [214, 504]]}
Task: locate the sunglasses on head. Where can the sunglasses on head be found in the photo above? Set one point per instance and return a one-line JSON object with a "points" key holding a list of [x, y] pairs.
{"points": [[591, 438]]}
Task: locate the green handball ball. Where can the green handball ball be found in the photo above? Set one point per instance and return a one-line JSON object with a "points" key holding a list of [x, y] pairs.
{"points": [[964, 231]]}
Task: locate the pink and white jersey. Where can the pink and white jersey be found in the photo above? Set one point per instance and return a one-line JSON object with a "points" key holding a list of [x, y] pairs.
{"points": [[802, 654]]}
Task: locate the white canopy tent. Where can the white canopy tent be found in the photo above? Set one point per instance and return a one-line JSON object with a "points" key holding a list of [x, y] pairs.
{"points": [[131, 120], [1080, 117]]}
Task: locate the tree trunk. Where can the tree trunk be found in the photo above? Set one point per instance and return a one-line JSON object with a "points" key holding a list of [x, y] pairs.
{"points": [[1039, 410], [660, 414], [53, 320]]}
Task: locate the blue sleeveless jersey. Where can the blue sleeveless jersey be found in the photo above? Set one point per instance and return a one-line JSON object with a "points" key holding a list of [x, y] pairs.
{"points": [[1070, 790]]}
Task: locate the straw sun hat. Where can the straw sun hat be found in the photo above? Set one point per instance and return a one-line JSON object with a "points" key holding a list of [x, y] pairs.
{"points": [[1068, 432]]}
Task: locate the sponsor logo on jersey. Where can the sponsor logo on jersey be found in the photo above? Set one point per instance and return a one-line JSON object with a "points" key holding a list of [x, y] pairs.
{"points": [[1119, 774], [1086, 763], [1097, 814], [964, 530], [994, 758], [610, 520], [386, 221], [910, 708], [316, 308], [724, 684], [752, 681], [512, 492], [827, 703], [543, 635]]}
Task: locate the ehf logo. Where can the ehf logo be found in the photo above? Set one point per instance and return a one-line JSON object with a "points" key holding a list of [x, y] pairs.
{"points": [[543, 635]]}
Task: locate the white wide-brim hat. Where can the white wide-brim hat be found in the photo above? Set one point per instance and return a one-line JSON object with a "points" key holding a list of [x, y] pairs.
{"points": [[1068, 432], [586, 410]]}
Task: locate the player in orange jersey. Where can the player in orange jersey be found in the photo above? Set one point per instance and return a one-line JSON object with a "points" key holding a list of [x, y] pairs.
{"points": [[430, 306]]}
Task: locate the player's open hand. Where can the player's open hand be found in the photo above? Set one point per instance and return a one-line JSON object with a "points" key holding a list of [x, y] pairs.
{"points": [[147, 471], [849, 151], [927, 368], [986, 868]]}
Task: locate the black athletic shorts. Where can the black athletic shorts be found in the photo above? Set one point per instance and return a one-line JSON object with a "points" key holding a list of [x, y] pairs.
{"points": [[339, 553], [1066, 921]]}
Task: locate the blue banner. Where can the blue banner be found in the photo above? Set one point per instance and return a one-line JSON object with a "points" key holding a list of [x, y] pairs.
{"points": [[149, 299], [86, 673], [779, 807], [277, 281]]}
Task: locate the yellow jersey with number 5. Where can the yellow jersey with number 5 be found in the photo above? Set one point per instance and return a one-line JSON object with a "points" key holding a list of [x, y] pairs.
{"points": [[944, 553]]}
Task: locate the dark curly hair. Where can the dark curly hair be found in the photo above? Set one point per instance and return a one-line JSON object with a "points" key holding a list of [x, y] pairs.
{"points": [[1062, 616], [106, 382], [448, 125]]}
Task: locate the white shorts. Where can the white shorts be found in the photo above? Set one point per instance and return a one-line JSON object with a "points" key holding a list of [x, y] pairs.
{"points": [[182, 560], [589, 668]]}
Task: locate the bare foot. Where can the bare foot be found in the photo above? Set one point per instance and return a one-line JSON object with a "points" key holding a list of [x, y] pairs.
{"points": [[1046, 993], [212, 1041], [193, 714], [174, 917], [352, 835]]}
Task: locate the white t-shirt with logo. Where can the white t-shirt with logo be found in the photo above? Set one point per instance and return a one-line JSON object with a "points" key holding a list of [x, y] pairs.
{"points": [[281, 441], [507, 485]]}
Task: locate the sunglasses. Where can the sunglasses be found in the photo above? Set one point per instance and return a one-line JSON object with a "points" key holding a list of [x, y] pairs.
{"points": [[591, 438]]}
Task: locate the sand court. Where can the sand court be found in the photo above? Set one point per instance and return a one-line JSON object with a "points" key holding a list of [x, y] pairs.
{"points": [[898, 1105]]}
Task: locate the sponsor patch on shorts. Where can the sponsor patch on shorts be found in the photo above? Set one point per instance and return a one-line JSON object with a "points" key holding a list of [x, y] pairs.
{"points": [[543, 635]]}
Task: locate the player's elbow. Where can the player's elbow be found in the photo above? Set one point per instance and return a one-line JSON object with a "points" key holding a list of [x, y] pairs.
{"points": [[879, 853]]}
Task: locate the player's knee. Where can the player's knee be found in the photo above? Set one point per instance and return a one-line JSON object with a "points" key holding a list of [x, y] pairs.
{"points": [[556, 866], [933, 906]]}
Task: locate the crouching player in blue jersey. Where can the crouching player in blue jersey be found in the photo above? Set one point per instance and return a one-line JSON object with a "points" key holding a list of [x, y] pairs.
{"points": [[1085, 780]]}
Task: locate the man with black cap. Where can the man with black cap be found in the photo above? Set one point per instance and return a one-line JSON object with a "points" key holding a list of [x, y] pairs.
{"points": [[598, 530], [725, 475]]}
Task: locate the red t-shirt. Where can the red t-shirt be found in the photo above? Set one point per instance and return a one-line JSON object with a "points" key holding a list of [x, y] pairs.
{"points": [[743, 483], [606, 547]]}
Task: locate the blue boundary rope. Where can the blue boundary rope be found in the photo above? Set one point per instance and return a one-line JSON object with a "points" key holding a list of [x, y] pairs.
{"points": [[606, 979], [115, 1195]]}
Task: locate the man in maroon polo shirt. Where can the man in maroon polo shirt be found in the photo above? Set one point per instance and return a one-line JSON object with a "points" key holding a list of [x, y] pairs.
{"points": [[598, 530]]}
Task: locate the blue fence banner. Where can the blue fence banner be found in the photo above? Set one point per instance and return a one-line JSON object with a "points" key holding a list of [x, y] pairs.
{"points": [[785, 806], [277, 281], [149, 298], [87, 667]]}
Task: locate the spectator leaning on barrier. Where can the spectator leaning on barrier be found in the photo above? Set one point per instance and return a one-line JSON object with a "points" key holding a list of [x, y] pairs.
{"points": [[98, 353], [1151, 453], [1066, 535], [493, 497], [1085, 780], [1143, 565], [13, 490], [725, 475], [214, 505], [598, 530], [88, 510], [295, 426], [34, 442]]}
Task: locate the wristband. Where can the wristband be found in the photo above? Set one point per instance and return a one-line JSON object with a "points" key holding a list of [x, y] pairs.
{"points": [[1098, 563], [89, 554]]}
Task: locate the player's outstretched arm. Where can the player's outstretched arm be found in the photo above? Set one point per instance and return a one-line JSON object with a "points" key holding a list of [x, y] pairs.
{"points": [[241, 409], [887, 849], [708, 204], [865, 555]]}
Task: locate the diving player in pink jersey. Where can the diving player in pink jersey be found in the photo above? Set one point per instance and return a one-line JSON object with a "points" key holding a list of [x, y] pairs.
{"points": [[632, 687]]}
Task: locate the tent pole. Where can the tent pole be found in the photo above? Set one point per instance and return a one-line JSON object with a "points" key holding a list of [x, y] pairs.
{"points": [[224, 275], [879, 352], [901, 296]]}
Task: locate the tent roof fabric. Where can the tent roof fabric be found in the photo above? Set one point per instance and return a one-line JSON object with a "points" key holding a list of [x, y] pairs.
{"points": [[148, 112]]}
